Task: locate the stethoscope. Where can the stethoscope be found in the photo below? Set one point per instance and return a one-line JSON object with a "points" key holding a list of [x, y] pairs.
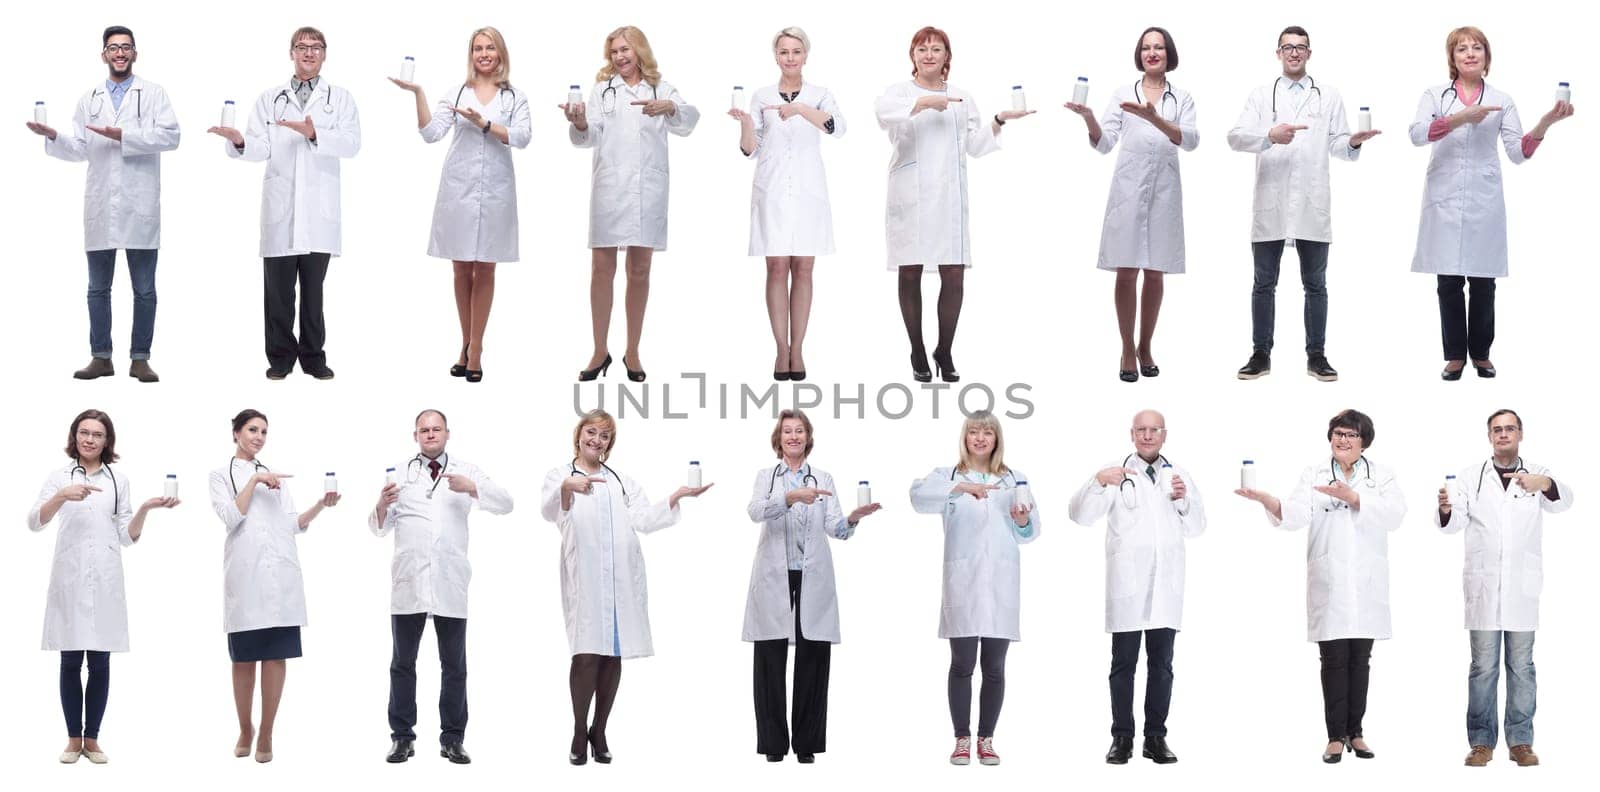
{"points": [[116, 494], [505, 107], [1516, 494], [1007, 475], [414, 471], [610, 92], [1455, 97], [1166, 91], [605, 467], [1313, 89], [97, 103], [1333, 467], [327, 101], [1130, 497], [259, 467], [806, 479]]}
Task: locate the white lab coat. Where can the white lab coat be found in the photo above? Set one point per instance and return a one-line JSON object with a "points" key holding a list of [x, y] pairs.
{"points": [[1144, 214], [86, 608], [926, 216], [475, 215], [122, 193], [767, 613], [603, 590], [982, 594], [1293, 199], [789, 211], [1144, 544], [1504, 565], [1463, 228], [300, 189], [261, 582], [430, 572], [629, 184], [1347, 551]]}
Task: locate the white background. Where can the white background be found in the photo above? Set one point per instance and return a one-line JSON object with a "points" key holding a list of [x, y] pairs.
{"points": [[1246, 706]]}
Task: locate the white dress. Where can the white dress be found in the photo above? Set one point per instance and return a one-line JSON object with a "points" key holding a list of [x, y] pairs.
{"points": [[475, 215], [789, 211]]}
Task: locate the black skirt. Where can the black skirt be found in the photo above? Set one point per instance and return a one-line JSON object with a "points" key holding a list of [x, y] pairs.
{"points": [[268, 643]]}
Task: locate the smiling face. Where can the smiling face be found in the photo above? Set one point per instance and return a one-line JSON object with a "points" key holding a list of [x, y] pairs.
{"points": [[594, 444], [981, 442], [790, 55], [118, 55], [485, 56], [623, 58], [431, 434], [250, 438], [1153, 53], [1294, 51], [1470, 56], [1346, 445], [930, 57], [793, 439], [89, 440], [308, 54], [1149, 434]]}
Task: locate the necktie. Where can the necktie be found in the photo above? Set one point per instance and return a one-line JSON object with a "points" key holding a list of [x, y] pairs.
{"points": [[433, 467], [1150, 470]]}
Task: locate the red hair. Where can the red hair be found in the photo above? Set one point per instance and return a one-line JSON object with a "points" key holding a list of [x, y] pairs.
{"points": [[930, 33]]}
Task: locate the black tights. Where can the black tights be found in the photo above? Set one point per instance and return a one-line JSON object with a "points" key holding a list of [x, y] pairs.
{"points": [[592, 677], [84, 705], [951, 291]]}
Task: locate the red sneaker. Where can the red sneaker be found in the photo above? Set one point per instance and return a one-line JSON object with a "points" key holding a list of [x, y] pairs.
{"points": [[963, 753], [986, 754]]}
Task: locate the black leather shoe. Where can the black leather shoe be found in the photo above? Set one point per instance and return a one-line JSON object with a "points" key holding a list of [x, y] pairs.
{"points": [[456, 753], [320, 372], [634, 375], [1149, 371], [1333, 758], [1451, 376], [277, 374], [1121, 750], [919, 367], [1260, 365], [1361, 753], [1317, 366], [460, 369], [805, 758], [603, 757], [774, 757], [1155, 749], [400, 751], [945, 367], [1486, 372], [799, 376], [474, 375], [98, 367], [780, 376], [1128, 375]]}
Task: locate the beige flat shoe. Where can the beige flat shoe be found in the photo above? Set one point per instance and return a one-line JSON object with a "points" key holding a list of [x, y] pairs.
{"points": [[241, 751], [70, 757], [95, 757], [263, 756]]}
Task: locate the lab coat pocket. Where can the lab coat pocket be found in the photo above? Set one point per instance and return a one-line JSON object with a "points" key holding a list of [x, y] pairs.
{"points": [[1121, 574], [403, 567], [1377, 583], [277, 200], [959, 577], [328, 189], [1319, 581], [146, 201], [1532, 574], [94, 203]]}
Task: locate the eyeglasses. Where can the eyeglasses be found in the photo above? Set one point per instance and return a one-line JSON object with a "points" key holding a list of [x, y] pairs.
{"points": [[84, 434], [1342, 434], [314, 49], [1504, 430], [1149, 431], [1294, 49], [118, 49]]}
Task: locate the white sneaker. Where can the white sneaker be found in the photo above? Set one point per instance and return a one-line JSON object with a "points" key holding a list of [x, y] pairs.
{"points": [[986, 754], [962, 755]]}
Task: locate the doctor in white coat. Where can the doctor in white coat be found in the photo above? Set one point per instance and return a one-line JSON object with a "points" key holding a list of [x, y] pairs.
{"points": [[1293, 127], [604, 595], [264, 596], [475, 214], [426, 508], [1143, 228], [1462, 236], [1151, 506], [791, 222], [933, 127], [121, 127], [86, 611], [792, 598], [1501, 581], [1349, 506], [626, 121], [987, 516], [301, 129]]}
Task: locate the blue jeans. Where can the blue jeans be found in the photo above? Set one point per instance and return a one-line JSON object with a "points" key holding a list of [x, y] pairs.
{"points": [[1484, 678], [142, 271], [1263, 295]]}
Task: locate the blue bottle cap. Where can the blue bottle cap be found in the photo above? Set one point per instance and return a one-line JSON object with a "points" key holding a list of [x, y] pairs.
{"points": [[39, 102], [738, 87], [1564, 85], [172, 475], [227, 101], [1365, 109], [1447, 478], [1249, 461], [330, 473], [1021, 482], [388, 470], [694, 461], [1016, 87], [409, 58], [863, 483], [1083, 79], [574, 88]]}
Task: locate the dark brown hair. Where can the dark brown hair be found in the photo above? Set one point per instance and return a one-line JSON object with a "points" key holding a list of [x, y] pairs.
{"points": [[109, 452], [1166, 41]]}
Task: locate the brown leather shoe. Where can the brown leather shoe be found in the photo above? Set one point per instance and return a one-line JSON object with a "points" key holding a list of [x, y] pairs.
{"points": [[1480, 756], [1524, 756], [98, 367], [141, 371]]}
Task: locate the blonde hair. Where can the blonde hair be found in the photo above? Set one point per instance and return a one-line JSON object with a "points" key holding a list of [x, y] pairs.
{"points": [[502, 74], [1455, 37], [641, 50], [777, 431], [983, 419], [596, 418], [794, 33]]}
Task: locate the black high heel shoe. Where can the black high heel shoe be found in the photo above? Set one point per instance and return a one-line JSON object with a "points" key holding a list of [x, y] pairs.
{"points": [[1451, 376], [1333, 758], [1151, 370], [1486, 372], [459, 370], [603, 757], [1361, 753], [946, 368], [585, 375], [474, 375], [919, 367], [634, 375]]}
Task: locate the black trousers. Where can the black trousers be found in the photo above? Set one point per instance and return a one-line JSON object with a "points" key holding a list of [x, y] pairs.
{"points": [[1466, 326], [1345, 672], [451, 635], [279, 275], [1158, 646], [963, 659], [810, 715]]}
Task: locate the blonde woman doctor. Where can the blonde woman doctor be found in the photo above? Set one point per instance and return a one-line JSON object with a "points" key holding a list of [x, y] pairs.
{"points": [[475, 214], [603, 591], [792, 597], [985, 521]]}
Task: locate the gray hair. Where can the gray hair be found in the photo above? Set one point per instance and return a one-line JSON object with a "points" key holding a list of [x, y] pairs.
{"points": [[794, 33]]}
